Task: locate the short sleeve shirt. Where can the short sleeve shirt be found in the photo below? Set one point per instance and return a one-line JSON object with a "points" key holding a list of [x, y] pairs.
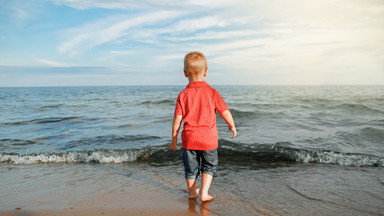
{"points": [[198, 104]]}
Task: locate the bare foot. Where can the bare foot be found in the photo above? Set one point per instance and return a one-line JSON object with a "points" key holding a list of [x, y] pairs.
{"points": [[205, 198], [196, 194]]}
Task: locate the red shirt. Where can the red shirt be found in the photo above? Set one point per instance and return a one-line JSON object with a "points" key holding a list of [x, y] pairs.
{"points": [[198, 104]]}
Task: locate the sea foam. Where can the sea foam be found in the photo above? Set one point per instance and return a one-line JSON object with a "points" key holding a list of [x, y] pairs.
{"points": [[71, 157], [229, 153]]}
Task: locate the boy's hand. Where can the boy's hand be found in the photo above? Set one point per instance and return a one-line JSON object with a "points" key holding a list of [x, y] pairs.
{"points": [[173, 144], [233, 129]]}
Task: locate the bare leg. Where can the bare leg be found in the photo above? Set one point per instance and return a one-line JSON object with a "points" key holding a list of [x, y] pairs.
{"points": [[193, 192], [206, 181]]}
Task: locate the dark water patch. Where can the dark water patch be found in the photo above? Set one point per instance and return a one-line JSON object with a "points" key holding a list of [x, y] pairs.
{"points": [[159, 102], [42, 121], [356, 109], [242, 153], [260, 105], [361, 136], [237, 113], [115, 138], [313, 101], [164, 119], [129, 126], [97, 99], [50, 107], [372, 133], [73, 119], [64, 106], [287, 152], [16, 142], [242, 114], [377, 122]]}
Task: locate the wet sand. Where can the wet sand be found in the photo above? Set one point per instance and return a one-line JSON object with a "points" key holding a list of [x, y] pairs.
{"points": [[83, 190], [143, 189], [90, 189], [96, 211]]}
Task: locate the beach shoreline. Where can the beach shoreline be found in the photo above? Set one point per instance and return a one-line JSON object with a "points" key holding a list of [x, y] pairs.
{"points": [[141, 189]]}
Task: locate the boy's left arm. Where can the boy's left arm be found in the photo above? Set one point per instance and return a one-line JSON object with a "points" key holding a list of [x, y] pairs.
{"points": [[227, 116], [175, 131]]}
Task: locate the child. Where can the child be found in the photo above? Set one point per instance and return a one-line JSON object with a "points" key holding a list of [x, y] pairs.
{"points": [[196, 106]]}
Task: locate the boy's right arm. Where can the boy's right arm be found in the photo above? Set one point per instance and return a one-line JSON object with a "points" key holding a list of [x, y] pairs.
{"points": [[175, 131], [227, 116]]}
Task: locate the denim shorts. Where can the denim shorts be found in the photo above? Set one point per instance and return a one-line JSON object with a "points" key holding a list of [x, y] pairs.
{"points": [[196, 161]]}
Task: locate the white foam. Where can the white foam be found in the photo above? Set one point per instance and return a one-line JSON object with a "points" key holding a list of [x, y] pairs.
{"points": [[71, 157], [330, 157]]}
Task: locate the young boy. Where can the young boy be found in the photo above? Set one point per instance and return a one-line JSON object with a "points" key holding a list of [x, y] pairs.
{"points": [[196, 106]]}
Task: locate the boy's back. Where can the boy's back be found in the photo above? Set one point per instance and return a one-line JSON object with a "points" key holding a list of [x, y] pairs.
{"points": [[198, 104]]}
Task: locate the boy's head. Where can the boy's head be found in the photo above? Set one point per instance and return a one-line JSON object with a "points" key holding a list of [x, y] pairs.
{"points": [[195, 63]]}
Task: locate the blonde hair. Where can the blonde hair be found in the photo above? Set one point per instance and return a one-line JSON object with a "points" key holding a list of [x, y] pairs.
{"points": [[195, 63]]}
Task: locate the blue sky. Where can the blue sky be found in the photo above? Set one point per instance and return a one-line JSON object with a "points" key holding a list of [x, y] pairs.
{"points": [[261, 42]]}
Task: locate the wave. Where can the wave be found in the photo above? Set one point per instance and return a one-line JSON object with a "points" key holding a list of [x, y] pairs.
{"points": [[49, 107], [313, 100], [372, 133], [229, 153], [116, 138], [158, 102], [16, 142], [49, 120], [240, 113], [237, 113], [357, 108], [285, 152]]}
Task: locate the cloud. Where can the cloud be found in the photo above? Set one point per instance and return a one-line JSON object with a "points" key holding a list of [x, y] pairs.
{"points": [[86, 4], [105, 31], [125, 52], [126, 4], [185, 26], [53, 63], [192, 25], [209, 35], [20, 14]]}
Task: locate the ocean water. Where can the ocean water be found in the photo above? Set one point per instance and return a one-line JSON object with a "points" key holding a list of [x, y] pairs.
{"points": [[291, 140], [317, 124]]}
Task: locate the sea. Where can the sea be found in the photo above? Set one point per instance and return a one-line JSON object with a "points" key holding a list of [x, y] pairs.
{"points": [[300, 150]]}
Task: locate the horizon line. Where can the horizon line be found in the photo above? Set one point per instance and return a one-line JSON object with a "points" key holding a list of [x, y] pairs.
{"points": [[128, 85]]}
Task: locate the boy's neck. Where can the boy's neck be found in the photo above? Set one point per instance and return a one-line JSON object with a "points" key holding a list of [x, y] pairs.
{"points": [[196, 79]]}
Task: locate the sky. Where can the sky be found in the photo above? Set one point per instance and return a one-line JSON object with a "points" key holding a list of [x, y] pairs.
{"points": [[258, 42]]}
